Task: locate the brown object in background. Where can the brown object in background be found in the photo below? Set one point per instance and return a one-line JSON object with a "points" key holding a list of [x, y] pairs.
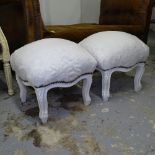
{"points": [[128, 12], [22, 23], [132, 16], [12, 22], [19, 22]]}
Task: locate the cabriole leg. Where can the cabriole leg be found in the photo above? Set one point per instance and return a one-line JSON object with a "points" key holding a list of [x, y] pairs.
{"points": [[106, 77], [41, 94], [22, 88], [138, 76], [86, 89]]}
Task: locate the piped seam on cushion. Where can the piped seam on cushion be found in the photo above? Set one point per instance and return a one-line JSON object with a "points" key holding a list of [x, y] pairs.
{"points": [[123, 66], [56, 82]]}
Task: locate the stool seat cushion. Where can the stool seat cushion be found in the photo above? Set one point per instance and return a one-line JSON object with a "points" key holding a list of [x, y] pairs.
{"points": [[114, 49], [50, 61]]}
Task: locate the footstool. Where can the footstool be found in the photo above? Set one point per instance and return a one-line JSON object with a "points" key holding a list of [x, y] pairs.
{"points": [[50, 63], [117, 51]]}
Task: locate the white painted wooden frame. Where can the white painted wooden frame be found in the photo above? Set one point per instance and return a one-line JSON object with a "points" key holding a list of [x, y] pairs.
{"points": [[5, 57], [106, 77], [41, 92]]}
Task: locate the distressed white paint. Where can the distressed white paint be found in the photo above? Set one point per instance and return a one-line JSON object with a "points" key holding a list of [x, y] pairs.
{"points": [[116, 51], [41, 93], [106, 78], [50, 63]]}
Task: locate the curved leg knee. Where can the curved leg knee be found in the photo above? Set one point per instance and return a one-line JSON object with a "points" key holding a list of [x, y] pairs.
{"points": [[86, 89], [41, 94], [22, 89], [138, 76]]}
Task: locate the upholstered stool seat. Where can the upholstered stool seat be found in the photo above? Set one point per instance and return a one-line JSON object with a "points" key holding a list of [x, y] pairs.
{"points": [[116, 51], [50, 63]]}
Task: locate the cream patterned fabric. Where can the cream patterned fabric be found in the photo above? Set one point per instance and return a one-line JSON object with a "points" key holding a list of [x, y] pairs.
{"points": [[114, 49], [51, 60]]}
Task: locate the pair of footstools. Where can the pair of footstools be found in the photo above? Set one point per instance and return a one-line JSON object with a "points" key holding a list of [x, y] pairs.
{"points": [[50, 63]]}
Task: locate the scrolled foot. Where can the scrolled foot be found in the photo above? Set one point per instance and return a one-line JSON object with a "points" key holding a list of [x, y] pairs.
{"points": [[43, 119], [41, 94], [87, 102], [138, 76], [138, 88], [10, 92], [105, 97]]}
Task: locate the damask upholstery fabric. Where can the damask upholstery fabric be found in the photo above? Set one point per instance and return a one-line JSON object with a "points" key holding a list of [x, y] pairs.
{"points": [[115, 49], [51, 60]]}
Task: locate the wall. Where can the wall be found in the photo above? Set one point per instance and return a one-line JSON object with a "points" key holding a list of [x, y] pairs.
{"points": [[62, 12], [90, 11], [65, 12]]}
